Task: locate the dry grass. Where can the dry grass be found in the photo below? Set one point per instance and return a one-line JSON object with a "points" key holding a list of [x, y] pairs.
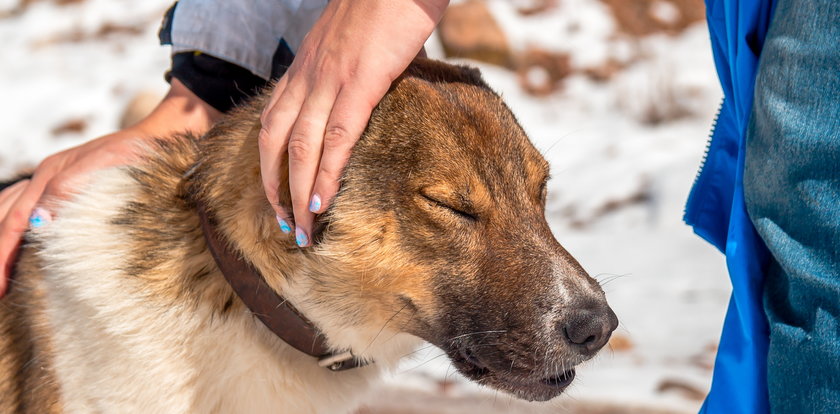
{"points": [[541, 72], [534, 7], [22, 5], [106, 31], [71, 126], [681, 387], [645, 17]]}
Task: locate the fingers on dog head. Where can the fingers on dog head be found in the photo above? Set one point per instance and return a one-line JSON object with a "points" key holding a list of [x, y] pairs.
{"points": [[16, 220], [16, 204], [347, 122], [276, 119], [9, 195], [305, 146], [270, 159]]}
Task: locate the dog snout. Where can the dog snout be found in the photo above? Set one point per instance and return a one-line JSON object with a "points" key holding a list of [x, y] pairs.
{"points": [[588, 329]]}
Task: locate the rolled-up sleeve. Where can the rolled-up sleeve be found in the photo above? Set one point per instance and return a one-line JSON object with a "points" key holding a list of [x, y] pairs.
{"points": [[243, 32]]}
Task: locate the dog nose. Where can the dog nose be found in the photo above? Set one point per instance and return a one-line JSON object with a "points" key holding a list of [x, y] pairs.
{"points": [[589, 329]]}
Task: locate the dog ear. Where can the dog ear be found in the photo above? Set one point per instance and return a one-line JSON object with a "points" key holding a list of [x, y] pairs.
{"points": [[435, 71]]}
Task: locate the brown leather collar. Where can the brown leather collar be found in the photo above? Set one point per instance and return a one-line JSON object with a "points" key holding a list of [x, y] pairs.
{"points": [[273, 310]]}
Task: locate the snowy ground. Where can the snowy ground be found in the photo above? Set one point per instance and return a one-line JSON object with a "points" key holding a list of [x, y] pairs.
{"points": [[616, 197]]}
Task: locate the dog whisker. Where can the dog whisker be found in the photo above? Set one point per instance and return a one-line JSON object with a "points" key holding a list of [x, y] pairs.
{"points": [[609, 277], [421, 349], [421, 364], [454, 338], [383, 328], [446, 376], [402, 327], [512, 363], [486, 345]]}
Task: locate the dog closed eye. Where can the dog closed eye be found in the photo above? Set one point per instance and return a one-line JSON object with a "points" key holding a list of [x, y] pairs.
{"points": [[461, 212]]}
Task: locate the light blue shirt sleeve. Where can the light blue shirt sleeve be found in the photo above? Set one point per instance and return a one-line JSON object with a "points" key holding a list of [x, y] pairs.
{"points": [[243, 32]]}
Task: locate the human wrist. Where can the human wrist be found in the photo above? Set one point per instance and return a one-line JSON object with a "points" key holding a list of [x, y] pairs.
{"points": [[433, 7]]}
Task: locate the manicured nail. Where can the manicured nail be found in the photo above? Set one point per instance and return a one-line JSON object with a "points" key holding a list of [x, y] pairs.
{"points": [[284, 227], [300, 238], [39, 217], [315, 203]]}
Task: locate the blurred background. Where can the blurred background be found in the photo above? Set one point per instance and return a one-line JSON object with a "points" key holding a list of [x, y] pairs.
{"points": [[619, 95]]}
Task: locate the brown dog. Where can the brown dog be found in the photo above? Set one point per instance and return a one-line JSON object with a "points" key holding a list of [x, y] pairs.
{"points": [[438, 232]]}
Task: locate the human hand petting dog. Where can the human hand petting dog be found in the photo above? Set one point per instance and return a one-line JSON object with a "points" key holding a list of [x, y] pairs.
{"points": [[58, 175], [321, 106], [316, 113]]}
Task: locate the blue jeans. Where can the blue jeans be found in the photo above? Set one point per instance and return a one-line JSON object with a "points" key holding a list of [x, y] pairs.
{"points": [[792, 193]]}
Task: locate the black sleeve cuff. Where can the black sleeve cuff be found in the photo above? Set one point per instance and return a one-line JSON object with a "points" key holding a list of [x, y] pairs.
{"points": [[221, 84]]}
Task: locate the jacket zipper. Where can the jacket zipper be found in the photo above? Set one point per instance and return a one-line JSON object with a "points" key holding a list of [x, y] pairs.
{"points": [[709, 141], [705, 152]]}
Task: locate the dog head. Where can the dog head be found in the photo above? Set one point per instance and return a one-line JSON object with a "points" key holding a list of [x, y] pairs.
{"points": [[439, 225]]}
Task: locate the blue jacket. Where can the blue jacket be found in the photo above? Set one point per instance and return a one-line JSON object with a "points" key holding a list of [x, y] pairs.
{"points": [[716, 209]]}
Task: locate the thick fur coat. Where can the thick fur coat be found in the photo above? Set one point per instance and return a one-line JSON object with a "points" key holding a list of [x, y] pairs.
{"points": [[437, 233]]}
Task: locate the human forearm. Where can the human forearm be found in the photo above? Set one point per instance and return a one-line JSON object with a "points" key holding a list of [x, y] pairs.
{"points": [[179, 111]]}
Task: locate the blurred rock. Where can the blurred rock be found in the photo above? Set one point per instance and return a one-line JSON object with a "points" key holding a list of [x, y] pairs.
{"points": [[138, 107], [541, 72], [468, 30], [644, 17], [71, 126]]}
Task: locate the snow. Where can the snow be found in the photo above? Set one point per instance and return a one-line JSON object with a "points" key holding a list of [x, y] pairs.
{"points": [[46, 81], [623, 152]]}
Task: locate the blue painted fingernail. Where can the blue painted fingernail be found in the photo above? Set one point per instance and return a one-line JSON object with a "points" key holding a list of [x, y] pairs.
{"points": [[315, 203], [300, 238], [284, 227], [39, 217]]}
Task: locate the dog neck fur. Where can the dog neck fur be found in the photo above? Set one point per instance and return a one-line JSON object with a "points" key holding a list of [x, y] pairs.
{"points": [[154, 304], [324, 290]]}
